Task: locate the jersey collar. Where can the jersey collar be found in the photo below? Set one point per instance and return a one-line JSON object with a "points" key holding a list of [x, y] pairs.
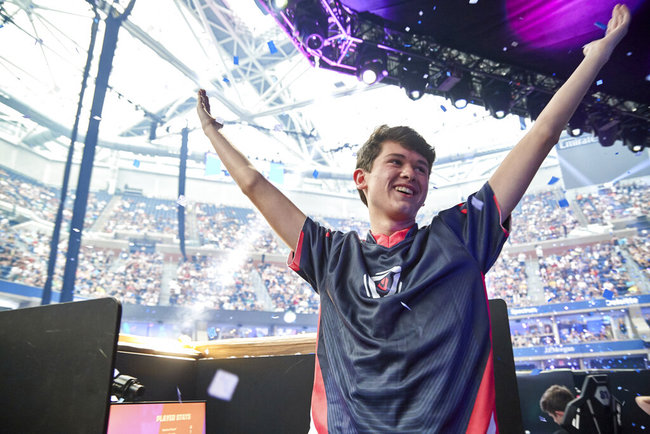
{"points": [[390, 240]]}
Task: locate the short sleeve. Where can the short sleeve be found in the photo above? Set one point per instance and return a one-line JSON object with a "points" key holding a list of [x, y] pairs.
{"points": [[310, 257], [477, 224]]}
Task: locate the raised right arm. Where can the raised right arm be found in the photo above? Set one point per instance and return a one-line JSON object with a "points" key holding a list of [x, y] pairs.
{"points": [[285, 218]]}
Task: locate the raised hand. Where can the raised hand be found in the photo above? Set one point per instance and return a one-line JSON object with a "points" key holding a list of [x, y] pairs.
{"points": [[203, 110], [616, 30]]}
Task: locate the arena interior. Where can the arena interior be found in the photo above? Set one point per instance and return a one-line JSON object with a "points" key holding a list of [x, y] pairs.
{"points": [[575, 271]]}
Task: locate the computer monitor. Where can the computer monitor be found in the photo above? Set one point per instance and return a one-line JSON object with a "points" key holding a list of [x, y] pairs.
{"points": [[56, 366], [157, 417]]}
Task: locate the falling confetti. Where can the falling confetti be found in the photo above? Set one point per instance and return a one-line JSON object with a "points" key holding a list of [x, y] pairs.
{"points": [[223, 385], [600, 25]]}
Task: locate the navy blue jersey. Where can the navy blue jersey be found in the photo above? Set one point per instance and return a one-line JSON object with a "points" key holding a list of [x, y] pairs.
{"points": [[404, 341]]}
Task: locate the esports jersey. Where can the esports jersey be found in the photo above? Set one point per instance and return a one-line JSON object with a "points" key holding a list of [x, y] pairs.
{"points": [[404, 340]]}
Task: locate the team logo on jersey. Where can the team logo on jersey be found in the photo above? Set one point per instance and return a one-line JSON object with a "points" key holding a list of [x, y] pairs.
{"points": [[384, 283]]}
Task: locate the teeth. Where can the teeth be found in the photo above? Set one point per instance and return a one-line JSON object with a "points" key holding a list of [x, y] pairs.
{"points": [[404, 190]]}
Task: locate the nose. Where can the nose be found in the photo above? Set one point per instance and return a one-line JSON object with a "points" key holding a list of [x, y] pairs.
{"points": [[407, 171]]}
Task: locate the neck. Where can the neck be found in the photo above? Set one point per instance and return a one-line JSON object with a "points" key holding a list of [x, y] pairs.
{"points": [[388, 227]]}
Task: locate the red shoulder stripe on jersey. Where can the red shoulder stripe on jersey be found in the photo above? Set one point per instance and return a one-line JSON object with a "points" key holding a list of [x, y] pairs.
{"points": [[318, 396], [485, 405], [294, 257]]}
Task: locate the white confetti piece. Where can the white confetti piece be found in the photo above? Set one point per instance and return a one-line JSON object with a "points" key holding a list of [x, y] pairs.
{"points": [[223, 385]]}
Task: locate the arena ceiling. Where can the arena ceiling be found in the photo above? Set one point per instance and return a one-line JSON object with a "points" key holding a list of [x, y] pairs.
{"points": [[275, 104]]}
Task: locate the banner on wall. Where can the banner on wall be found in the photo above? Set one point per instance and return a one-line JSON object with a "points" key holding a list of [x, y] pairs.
{"points": [[584, 162], [567, 349], [631, 300]]}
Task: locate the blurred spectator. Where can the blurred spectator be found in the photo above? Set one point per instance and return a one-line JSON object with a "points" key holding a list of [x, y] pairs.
{"points": [[507, 279], [539, 217]]}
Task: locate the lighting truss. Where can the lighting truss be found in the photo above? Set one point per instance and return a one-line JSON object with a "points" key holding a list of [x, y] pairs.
{"points": [[349, 35]]}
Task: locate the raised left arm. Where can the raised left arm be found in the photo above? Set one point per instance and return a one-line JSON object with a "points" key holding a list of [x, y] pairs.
{"points": [[517, 170]]}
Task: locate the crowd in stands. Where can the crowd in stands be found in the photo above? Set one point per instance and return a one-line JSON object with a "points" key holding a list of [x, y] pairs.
{"points": [[569, 332], [231, 228], [639, 248], [540, 217], [533, 334], [141, 214], [20, 191], [616, 202], [350, 224], [23, 255], [132, 277], [507, 279], [217, 282], [572, 332], [209, 283], [585, 273], [575, 333], [288, 290]]}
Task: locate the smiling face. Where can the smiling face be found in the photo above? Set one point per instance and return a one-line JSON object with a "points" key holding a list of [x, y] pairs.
{"points": [[395, 188]]}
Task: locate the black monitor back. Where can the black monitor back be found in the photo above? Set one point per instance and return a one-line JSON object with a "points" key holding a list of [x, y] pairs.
{"points": [[56, 366], [505, 385]]}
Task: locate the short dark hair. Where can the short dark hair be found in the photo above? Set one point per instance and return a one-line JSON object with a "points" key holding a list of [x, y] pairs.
{"points": [[555, 398], [405, 136]]}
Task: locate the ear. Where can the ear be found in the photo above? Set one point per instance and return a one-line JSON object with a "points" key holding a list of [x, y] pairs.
{"points": [[359, 177]]}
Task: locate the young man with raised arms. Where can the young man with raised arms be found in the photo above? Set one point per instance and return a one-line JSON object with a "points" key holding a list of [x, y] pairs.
{"points": [[404, 341]]}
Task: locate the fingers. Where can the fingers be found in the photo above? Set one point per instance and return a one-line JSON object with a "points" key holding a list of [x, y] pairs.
{"points": [[204, 101], [620, 16], [613, 21], [619, 23]]}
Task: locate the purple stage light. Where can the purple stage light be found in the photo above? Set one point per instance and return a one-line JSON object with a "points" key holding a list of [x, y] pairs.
{"points": [[559, 24]]}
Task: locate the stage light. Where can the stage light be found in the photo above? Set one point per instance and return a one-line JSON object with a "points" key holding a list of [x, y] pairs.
{"points": [[461, 93], [535, 103], [448, 80], [607, 130], [311, 23], [372, 71], [279, 4], [414, 78], [414, 86], [635, 136], [371, 64], [578, 123], [496, 97]]}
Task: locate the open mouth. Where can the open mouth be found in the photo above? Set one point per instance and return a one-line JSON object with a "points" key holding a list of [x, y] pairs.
{"points": [[404, 190]]}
